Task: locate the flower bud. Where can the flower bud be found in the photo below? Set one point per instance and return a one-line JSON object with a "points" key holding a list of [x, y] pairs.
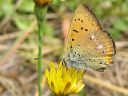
{"points": [[42, 2]]}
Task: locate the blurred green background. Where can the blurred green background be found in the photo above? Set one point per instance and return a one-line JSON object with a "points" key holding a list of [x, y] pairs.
{"points": [[17, 22]]}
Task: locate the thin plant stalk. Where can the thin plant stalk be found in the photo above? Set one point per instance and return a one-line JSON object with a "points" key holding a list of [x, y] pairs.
{"points": [[40, 12]]}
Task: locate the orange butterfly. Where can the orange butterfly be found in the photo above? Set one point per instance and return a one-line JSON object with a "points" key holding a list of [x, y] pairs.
{"points": [[88, 46]]}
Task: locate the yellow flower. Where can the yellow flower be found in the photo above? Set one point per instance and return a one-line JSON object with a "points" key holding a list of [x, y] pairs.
{"points": [[64, 81]]}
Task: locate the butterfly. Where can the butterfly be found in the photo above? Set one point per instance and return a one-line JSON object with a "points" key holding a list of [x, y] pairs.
{"points": [[88, 45]]}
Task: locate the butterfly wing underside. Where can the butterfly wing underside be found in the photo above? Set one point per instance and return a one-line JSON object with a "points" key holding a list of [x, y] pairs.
{"points": [[88, 46]]}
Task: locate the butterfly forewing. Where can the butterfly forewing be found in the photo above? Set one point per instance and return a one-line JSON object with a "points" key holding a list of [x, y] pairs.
{"points": [[87, 45], [83, 20]]}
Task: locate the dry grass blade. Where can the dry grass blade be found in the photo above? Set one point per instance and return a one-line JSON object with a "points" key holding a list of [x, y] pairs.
{"points": [[16, 45], [11, 86], [106, 84], [9, 36]]}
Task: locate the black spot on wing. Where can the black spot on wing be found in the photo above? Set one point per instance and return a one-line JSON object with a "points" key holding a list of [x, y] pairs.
{"points": [[73, 39], [75, 30], [104, 52], [86, 29], [81, 28], [81, 20]]}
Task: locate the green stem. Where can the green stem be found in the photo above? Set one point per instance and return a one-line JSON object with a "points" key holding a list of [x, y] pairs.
{"points": [[40, 12]]}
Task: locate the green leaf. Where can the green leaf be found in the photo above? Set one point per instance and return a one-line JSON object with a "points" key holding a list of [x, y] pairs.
{"points": [[124, 7], [21, 22], [120, 25], [82, 93], [6, 7], [47, 29], [27, 6], [116, 34]]}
